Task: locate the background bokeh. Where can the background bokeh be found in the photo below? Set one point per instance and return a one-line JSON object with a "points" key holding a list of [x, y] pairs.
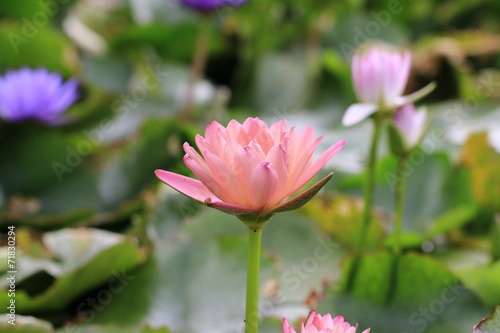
{"points": [[103, 246]]}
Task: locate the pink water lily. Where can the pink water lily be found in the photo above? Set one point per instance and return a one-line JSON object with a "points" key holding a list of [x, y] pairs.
{"points": [[380, 77], [316, 323], [411, 123], [250, 170]]}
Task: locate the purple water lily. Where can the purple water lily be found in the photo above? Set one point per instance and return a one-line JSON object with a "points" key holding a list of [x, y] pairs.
{"points": [[35, 94], [210, 5]]}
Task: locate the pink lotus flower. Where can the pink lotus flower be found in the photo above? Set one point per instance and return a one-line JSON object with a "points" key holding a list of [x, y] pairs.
{"points": [[411, 123], [316, 323], [250, 169], [380, 77]]}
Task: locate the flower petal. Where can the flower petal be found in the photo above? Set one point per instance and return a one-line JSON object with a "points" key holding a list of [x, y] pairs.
{"points": [[263, 184], [415, 96], [310, 317], [225, 177], [206, 177], [357, 112], [317, 165], [194, 155], [235, 131], [278, 157], [278, 130], [230, 208], [403, 68], [246, 160], [286, 327], [188, 186]]}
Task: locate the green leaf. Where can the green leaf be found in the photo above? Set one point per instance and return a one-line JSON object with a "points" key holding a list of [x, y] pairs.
{"points": [[108, 74], [187, 283], [74, 248], [409, 279], [131, 169], [452, 219], [434, 192], [484, 281], [88, 258], [198, 271], [113, 328], [340, 216], [27, 147], [415, 291], [495, 239], [22, 40], [25, 324], [490, 324]]}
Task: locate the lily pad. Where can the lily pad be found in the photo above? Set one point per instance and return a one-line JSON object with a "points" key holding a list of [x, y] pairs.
{"points": [[24, 324], [113, 329], [485, 282], [22, 39], [415, 291], [187, 283], [340, 216], [83, 266]]}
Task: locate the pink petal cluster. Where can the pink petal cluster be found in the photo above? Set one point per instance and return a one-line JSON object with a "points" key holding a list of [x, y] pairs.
{"points": [[410, 123], [380, 77], [316, 323], [251, 168]]}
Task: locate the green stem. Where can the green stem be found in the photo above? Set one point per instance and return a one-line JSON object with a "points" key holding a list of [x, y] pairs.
{"points": [[399, 203], [370, 182], [198, 66], [368, 201], [252, 302]]}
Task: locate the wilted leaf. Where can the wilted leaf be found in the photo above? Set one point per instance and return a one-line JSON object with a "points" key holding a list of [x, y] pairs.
{"points": [[483, 161], [490, 324]]}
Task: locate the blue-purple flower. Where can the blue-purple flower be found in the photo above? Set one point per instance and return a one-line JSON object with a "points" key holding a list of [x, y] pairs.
{"points": [[35, 94], [210, 5]]}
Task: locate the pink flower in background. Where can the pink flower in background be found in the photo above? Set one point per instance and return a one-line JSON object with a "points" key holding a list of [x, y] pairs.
{"points": [[411, 123], [316, 323], [250, 169], [380, 77]]}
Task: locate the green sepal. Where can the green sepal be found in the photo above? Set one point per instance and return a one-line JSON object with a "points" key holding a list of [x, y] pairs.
{"points": [[255, 221], [303, 198], [397, 142]]}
